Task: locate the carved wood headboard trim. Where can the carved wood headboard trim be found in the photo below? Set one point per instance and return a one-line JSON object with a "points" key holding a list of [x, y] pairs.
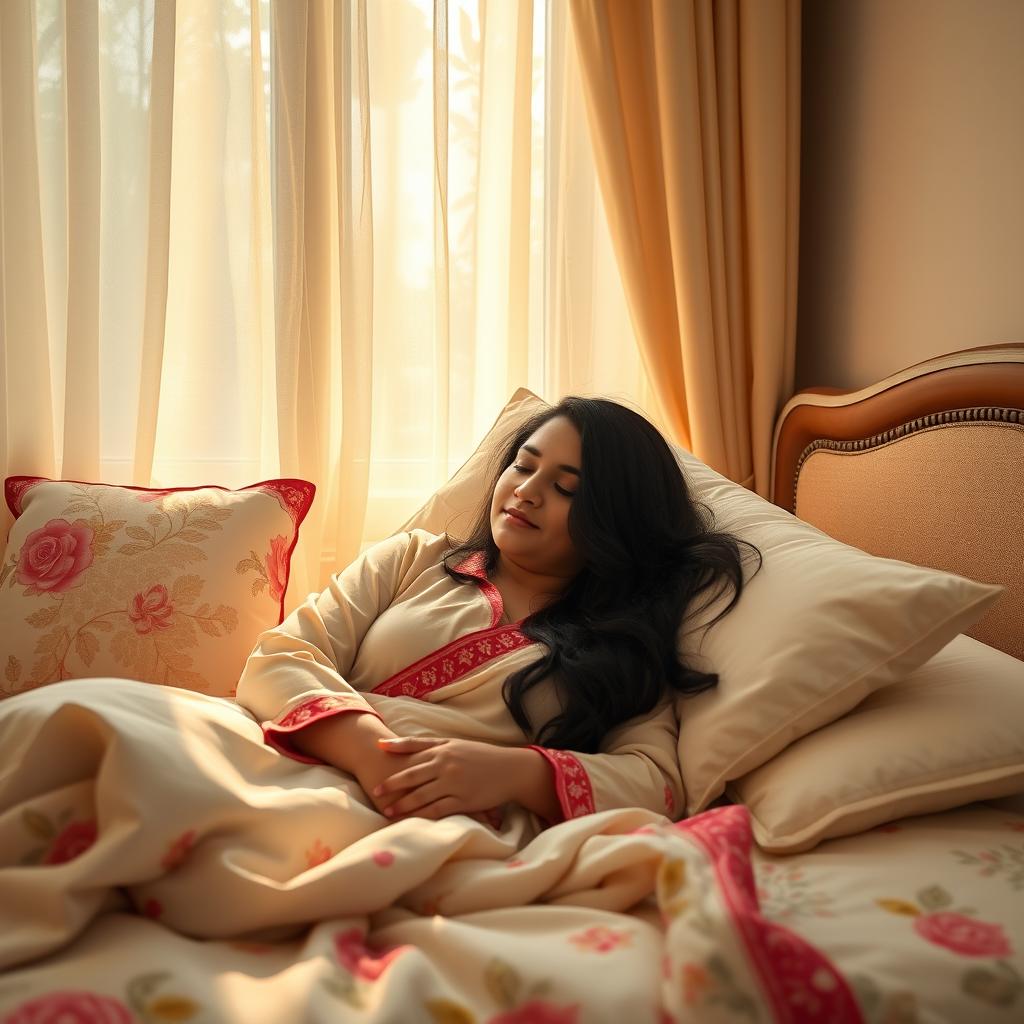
{"points": [[990, 377]]}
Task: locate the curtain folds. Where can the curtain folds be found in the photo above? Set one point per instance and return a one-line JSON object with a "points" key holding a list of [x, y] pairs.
{"points": [[694, 113], [321, 238]]}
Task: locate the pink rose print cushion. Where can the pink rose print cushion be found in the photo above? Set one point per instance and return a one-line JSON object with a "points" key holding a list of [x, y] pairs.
{"points": [[167, 586]]}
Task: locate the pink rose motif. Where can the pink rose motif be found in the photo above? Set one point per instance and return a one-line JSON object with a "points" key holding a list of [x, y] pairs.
{"points": [[71, 1008], [151, 610], [600, 939], [178, 851], [962, 935], [536, 1011], [361, 960], [277, 566], [54, 556], [319, 853], [76, 838]]}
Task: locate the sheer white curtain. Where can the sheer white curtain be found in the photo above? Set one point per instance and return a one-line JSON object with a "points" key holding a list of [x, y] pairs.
{"points": [[309, 238]]}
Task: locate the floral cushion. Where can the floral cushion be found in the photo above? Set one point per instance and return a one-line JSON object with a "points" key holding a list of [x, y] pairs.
{"points": [[166, 586]]}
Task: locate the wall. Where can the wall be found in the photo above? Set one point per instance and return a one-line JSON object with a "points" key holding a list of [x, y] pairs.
{"points": [[912, 187]]}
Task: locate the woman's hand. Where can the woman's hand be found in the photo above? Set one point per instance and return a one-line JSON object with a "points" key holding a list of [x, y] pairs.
{"points": [[446, 776]]}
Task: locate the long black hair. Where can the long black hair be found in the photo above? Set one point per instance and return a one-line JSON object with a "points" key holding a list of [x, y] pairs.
{"points": [[651, 558]]}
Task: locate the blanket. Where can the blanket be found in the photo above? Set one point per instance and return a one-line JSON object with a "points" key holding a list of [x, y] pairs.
{"points": [[159, 862]]}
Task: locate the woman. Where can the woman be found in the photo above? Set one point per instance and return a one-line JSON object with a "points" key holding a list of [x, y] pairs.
{"points": [[533, 664]]}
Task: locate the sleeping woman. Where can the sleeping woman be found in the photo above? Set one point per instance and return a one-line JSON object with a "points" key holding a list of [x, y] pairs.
{"points": [[519, 678], [533, 664]]}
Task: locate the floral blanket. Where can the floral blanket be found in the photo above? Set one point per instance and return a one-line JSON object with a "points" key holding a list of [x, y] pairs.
{"points": [[159, 863]]}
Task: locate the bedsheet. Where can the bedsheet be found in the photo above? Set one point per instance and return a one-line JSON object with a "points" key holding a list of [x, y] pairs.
{"points": [[159, 863]]}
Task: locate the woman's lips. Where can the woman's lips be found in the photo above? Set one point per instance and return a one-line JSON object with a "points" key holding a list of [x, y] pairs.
{"points": [[518, 520]]}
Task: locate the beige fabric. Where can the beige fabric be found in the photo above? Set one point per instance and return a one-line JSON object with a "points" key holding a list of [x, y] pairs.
{"points": [[918, 914], [950, 733], [396, 605], [820, 627], [911, 498], [162, 325], [166, 587], [695, 116], [213, 855]]}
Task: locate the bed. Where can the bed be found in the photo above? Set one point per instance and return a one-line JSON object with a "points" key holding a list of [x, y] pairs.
{"points": [[861, 859]]}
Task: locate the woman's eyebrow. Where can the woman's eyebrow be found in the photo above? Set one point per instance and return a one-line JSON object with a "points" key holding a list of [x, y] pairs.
{"points": [[534, 451]]}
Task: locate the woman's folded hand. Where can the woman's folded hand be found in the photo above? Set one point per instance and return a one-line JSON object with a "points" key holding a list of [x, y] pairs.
{"points": [[454, 776]]}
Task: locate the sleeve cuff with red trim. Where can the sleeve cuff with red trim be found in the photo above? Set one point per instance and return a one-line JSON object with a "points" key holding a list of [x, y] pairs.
{"points": [[572, 783], [280, 732]]}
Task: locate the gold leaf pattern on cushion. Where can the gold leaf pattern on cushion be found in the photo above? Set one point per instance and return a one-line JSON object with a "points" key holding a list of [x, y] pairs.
{"points": [[100, 580]]}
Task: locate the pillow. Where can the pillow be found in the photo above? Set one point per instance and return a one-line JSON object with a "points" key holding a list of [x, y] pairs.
{"points": [[453, 505], [818, 628], [950, 733], [166, 586]]}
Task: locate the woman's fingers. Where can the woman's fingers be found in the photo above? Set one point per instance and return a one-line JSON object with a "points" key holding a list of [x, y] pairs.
{"points": [[414, 802], [407, 778]]}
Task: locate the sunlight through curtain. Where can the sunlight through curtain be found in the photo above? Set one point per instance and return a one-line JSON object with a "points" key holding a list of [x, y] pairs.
{"points": [[319, 239]]}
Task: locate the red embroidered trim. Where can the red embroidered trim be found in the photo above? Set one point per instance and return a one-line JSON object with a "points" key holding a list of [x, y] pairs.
{"points": [[305, 713], [15, 488], [452, 662], [474, 566], [572, 783], [801, 982], [295, 496]]}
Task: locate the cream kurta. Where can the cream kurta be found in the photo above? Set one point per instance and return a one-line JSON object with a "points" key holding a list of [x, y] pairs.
{"points": [[394, 635]]}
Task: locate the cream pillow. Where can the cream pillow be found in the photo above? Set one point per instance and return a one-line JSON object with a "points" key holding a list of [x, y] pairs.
{"points": [[950, 733], [453, 505], [166, 586], [820, 627]]}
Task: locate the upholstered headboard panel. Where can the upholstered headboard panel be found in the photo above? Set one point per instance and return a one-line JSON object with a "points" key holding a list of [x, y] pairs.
{"points": [[927, 466]]}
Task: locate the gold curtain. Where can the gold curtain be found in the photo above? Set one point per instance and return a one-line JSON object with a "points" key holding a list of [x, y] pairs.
{"points": [[694, 114], [321, 238]]}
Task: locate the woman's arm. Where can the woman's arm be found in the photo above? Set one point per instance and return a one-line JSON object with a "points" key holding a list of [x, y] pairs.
{"points": [[295, 679]]}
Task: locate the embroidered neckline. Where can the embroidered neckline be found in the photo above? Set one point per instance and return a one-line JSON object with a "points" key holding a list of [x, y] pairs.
{"points": [[474, 565]]}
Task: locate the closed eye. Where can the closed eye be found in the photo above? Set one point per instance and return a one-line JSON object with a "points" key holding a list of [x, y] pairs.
{"points": [[558, 487]]}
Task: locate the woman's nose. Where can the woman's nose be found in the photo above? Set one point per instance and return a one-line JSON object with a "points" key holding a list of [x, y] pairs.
{"points": [[527, 491]]}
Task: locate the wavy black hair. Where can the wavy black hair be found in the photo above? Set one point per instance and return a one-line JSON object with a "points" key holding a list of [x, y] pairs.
{"points": [[652, 559]]}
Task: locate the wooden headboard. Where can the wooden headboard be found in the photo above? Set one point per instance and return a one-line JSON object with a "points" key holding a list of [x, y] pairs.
{"points": [[926, 466]]}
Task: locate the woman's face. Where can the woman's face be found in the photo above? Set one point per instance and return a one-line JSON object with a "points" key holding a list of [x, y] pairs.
{"points": [[531, 502]]}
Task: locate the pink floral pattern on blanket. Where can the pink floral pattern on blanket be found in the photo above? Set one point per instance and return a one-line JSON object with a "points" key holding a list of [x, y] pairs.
{"points": [[793, 972], [72, 842], [361, 960], [963, 935], [71, 1008], [600, 939], [64, 839]]}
